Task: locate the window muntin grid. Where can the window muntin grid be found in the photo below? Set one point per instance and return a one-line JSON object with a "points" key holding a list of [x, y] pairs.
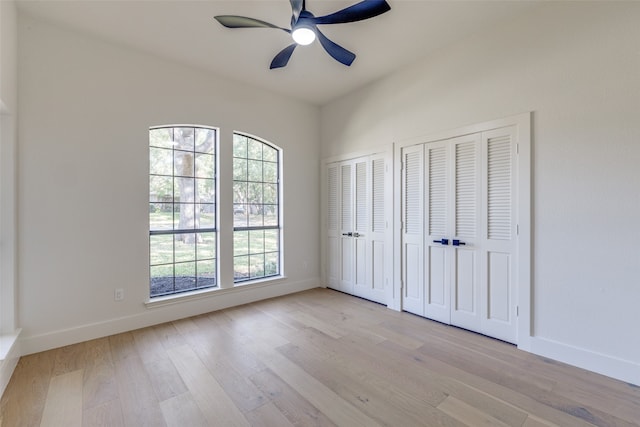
{"points": [[256, 209], [182, 209]]}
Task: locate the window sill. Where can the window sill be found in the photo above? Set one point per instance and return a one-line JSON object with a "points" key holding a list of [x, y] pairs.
{"points": [[211, 292]]}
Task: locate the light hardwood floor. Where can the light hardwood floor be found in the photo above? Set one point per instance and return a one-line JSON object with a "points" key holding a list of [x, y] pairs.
{"points": [[313, 358]]}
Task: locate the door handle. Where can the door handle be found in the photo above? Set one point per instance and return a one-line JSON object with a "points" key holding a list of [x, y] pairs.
{"points": [[456, 242], [442, 241], [347, 234]]}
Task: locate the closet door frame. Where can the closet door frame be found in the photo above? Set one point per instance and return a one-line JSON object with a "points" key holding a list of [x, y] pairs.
{"points": [[522, 125]]}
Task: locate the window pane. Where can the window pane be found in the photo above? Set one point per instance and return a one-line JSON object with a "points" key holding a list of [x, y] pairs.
{"points": [[206, 276], [255, 170], [207, 216], [160, 218], [161, 138], [240, 169], [185, 278], [271, 242], [183, 138], [184, 190], [184, 218], [270, 172], [240, 218], [241, 267], [161, 280], [206, 246], [160, 161], [161, 249], [160, 189], [184, 163], [255, 193], [205, 140], [255, 149], [240, 192], [269, 154], [205, 190], [204, 166], [271, 264], [255, 218], [256, 241], [256, 265], [185, 247], [270, 193], [239, 146], [240, 243], [270, 215]]}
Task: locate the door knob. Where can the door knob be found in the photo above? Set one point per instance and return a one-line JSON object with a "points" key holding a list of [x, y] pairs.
{"points": [[356, 234], [456, 242], [442, 241]]}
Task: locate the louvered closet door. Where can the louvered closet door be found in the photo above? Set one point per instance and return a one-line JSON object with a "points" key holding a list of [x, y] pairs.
{"points": [[437, 263], [346, 256], [466, 203], [370, 239], [412, 175], [333, 246], [356, 226], [499, 235]]}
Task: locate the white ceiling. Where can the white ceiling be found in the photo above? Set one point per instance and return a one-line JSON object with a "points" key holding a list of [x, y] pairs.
{"points": [[185, 31]]}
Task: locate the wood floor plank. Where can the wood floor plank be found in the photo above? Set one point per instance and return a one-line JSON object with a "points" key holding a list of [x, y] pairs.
{"points": [[298, 410], [467, 414], [181, 411], [99, 385], [63, 406], [140, 405], [216, 406], [337, 409], [268, 416], [30, 379], [106, 414]]}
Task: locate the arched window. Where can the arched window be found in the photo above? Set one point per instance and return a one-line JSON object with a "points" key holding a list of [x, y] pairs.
{"points": [[256, 208], [182, 209]]}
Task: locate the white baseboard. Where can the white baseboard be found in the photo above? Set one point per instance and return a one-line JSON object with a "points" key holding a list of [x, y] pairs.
{"points": [[620, 369], [165, 313], [9, 356]]}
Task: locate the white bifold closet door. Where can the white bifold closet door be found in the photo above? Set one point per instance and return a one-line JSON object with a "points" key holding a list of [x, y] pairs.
{"points": [[356, 227], [458, 232]]}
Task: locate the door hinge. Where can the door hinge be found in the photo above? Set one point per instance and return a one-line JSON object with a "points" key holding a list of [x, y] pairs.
{"points": [[517, 311], [517, 229], [517, 148]]}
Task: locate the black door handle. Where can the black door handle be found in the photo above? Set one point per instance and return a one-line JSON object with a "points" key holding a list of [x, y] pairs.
{"points": [[456, 242], [347, 234], [442, 241]]}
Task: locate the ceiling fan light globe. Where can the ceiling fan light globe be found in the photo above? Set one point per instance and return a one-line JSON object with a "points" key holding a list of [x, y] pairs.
{"points": [[303, 36]]}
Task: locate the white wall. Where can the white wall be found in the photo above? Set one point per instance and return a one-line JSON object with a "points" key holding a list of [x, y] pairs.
{"points": [[85, 110], [576, 65], [9, 351]]}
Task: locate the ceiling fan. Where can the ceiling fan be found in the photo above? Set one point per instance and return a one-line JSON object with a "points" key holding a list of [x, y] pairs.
{"points": [[304, 28]]}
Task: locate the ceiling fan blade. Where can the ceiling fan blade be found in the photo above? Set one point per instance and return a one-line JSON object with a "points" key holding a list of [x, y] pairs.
{"points": [[282, 58], [364, 10], [338, 53], [234, 21], [296, 7]]}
